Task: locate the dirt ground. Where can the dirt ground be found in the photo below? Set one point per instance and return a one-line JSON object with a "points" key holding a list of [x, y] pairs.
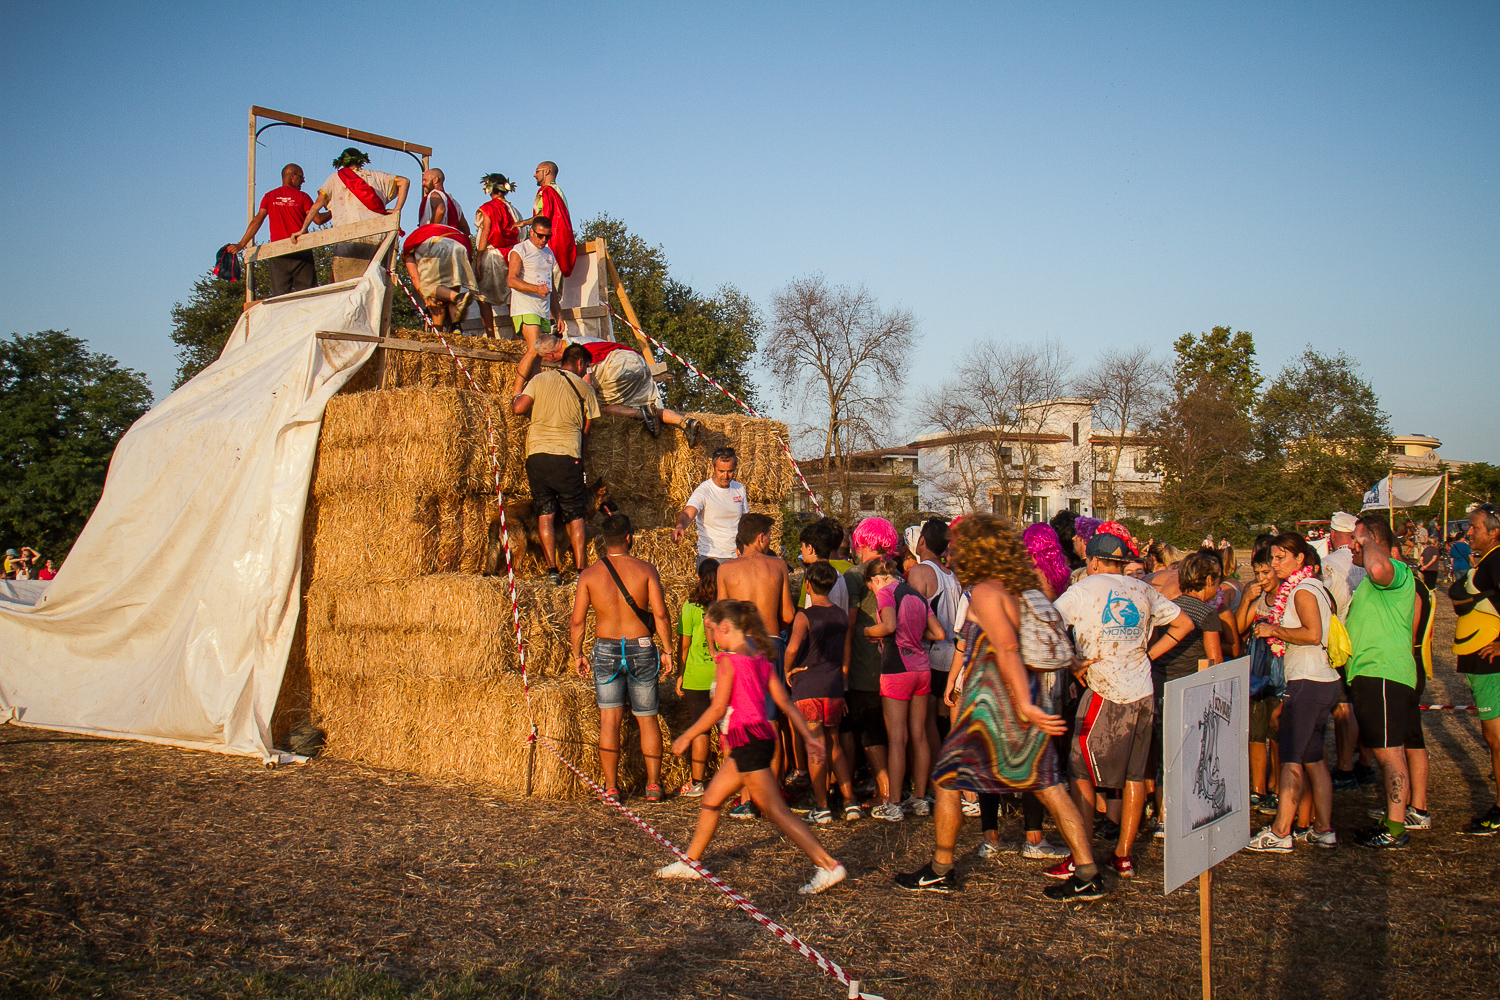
{"points": [[128, 869]]}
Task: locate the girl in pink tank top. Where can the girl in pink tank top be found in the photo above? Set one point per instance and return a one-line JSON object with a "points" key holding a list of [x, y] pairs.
{"points": [[743, 678]]}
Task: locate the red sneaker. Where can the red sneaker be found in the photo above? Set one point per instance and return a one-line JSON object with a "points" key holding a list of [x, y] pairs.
{"points": [[1063, 869], [1123, 867]]}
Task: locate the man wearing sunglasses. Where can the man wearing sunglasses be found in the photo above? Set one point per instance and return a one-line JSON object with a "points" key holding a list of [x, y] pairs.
{"points": [[1476, 641], [716, 506], [534, 303]]}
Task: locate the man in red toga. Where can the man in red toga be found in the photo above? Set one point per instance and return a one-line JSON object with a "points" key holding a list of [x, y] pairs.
{"points": [[438, 206], [286, 207], [355, 193], [497, 220], [551, 203]]}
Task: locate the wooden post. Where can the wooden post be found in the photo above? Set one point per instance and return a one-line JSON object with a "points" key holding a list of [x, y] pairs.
{"points": [[250, 211], [1444, 530], [1205, 930], [614, 277]]}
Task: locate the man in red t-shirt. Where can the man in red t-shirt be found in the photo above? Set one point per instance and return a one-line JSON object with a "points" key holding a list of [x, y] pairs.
{"points": [[286, 207]]}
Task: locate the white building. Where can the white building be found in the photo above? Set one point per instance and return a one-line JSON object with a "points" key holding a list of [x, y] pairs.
{"points": [[1055, 458]]}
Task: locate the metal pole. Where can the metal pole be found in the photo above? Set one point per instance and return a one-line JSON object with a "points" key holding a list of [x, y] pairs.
{"points": [[250, 210]]}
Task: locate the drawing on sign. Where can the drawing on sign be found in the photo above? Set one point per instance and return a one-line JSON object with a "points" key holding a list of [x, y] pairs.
{"points": [[1206, 795]]}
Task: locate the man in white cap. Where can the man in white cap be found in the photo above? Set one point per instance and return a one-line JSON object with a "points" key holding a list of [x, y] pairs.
{"points": [[1342, 578]]}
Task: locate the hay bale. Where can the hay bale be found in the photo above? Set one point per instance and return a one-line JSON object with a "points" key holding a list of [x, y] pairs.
{"points": [[389, 535]]}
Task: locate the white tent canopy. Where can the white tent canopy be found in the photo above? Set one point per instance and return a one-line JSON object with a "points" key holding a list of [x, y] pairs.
{"points": [[1407, 491], [172, 618]]}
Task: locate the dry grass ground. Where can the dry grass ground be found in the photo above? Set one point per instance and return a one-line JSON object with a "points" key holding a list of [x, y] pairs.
{"points": [[133, 870]]}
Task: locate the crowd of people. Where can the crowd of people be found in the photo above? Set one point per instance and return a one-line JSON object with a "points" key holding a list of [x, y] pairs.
{"points": [[19, 565], [965, 669]]}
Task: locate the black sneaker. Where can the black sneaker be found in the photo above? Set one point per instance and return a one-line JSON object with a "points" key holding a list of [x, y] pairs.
{"points": [[1380, 839], [1484, 825], [1344, 781], [927, 880], [1106, 829], [1268, 803], [1366, 776], [1076, 888]]}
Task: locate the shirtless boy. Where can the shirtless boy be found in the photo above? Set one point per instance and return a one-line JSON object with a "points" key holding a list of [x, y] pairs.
{"points": [[626, 597]]}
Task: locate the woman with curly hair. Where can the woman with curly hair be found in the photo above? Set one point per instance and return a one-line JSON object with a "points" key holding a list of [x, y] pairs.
{"points": [[1002, 738]]}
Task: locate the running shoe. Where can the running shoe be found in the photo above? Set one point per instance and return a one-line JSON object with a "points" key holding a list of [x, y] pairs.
{"points": [[651, 419], [797, 779], [692, 430], [1344, 781], [1123, 867], [1484, 825], [1327, 839], [1268, 803], [971, 808], [612, 794], [693, 789], [1106, 829], [1418, 819], [554, 578], [926, 880], [1266, 842], [1367, 776], [677, 869], [1378, 838], [853, 813], [822, 817], [1076, 888], [824, 878], [987, 850], [1042, 850], [888, 811], [745, 810], [1063, 869], [653, 793], [919, 807], [1300, 832]]}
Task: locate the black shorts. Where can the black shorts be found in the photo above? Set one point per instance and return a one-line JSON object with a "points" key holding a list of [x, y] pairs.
{"points": [[939, 685], [864, 715], [1429, 577], [753, 756], [1387, 713], [695, 703], [557, 485], [1305, 711], [293, 273]]}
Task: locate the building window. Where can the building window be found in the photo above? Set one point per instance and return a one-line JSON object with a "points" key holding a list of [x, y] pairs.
{"points": [[1037, 509], [1397, 449], [867, 501], [1076, 506], [1142, 464], [1005, 455], [952, 457], [1075, 439], [1075, 470]]}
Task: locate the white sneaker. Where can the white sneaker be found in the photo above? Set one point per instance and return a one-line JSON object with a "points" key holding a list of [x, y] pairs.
{"points": [[1417, 820], [920, 807], [988, 850], [888, 811], [1267, 842], [822, 817], [971, 808], [677, 869], [1327, 839], [1042, 850], [824, 878]]}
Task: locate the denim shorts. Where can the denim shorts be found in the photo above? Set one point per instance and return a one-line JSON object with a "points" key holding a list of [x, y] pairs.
{"points": [[626, 668]]}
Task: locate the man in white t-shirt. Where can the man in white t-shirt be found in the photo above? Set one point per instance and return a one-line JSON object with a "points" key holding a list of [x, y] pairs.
{"points": [[354, 193], [1342, 578], [1113, 616], [535, 302], [717, 506]]}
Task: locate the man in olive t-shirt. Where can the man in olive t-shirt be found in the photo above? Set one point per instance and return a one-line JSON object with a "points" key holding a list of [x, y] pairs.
{"points": [[1382, 674]]}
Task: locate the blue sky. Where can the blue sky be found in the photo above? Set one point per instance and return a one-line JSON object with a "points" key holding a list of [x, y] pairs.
{"points": [[1100, 174]]}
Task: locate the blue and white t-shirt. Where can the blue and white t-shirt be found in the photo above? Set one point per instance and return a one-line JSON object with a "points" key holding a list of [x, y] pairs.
{"points": [[1112, 618]]}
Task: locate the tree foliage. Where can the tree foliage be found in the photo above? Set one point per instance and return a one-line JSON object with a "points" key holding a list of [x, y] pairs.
{"points": [[1221, 357], [62, 410], [717, 333], [1322, 437]]}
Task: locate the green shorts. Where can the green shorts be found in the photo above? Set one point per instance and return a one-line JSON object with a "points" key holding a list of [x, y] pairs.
{"points": [[1486, 688], [531, 319]]}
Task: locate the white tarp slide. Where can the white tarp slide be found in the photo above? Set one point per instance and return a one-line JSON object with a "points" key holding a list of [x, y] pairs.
{"points": [[1409, 491], [22, 593], [172, 618]]}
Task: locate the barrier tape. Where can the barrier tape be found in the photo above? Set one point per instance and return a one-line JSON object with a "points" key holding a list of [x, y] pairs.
{"points": [[781, 933], [749, 410], [1449, 708]]}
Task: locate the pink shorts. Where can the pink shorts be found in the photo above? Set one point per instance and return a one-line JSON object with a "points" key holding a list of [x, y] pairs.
{"points": [[828, 711], [907, 685]]}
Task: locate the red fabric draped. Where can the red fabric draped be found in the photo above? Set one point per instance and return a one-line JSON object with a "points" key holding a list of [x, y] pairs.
{"points": [[361, 189], [563, 247], [422, 234], [503, 231]]}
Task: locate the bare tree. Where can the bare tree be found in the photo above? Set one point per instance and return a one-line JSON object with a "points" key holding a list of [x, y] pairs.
{"points": [[994, 411], [1127, 387], [842, 360]]}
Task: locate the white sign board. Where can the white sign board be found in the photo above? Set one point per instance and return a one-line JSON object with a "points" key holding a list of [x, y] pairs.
{"points": [[1206, 759]]}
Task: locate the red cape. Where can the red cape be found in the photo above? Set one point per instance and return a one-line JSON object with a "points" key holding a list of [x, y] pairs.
{"points": [[503, 231], [422, 234], [361, 189], [563, 247]]}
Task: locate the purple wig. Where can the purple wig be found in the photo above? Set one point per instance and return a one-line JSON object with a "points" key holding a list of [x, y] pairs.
{"points": [[1041, 541], [1084, 527], [875, 533]]}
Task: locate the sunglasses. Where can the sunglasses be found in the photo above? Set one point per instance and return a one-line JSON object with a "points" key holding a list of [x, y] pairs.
{"points": [[724, 453], [541, 235]]}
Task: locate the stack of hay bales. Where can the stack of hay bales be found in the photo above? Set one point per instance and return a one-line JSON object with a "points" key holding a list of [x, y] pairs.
{"points": [[406, 652]]}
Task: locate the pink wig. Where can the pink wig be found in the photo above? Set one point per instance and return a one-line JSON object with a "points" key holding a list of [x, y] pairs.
{"points": [[875, 533], [1084, 527], [1041, 541]]}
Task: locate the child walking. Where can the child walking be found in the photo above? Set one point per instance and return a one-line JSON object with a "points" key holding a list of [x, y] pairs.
{"points": [[744, 676], [815, 656], [695, 686]]}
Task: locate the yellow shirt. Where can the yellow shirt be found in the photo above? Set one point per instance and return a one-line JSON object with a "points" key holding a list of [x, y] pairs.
{"points": [[556, 416]]}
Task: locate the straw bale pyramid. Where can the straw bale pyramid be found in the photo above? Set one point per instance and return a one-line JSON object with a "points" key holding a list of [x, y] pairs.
{"points": [[405, 652]]}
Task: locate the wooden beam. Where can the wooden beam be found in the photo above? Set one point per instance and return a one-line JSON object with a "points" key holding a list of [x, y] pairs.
{"points": [[586, 312], [324, 237], [398, 344], [250, 213], [328, 128], [614, 277]]}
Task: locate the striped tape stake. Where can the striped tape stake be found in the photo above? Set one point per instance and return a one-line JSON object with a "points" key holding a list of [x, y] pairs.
{"points": [[782, 934]]}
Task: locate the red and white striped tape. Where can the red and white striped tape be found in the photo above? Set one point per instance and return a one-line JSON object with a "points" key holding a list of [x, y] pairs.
{"points": [[782, 934], [1449, 708]]}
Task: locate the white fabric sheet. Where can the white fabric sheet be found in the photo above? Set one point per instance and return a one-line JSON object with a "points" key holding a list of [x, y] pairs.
{"points": [[172, 618], [1410, 491]]}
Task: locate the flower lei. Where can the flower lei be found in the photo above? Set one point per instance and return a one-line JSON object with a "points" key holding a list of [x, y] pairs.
{"points": [[1283, 595]]}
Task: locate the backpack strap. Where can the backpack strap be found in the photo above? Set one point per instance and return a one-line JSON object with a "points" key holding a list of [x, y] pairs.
{"points": [[646, 617], [583, 411]]}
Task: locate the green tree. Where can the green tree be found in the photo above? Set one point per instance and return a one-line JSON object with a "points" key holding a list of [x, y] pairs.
{"points": [[1201, 443], [1323, 438], [718, 333], [1479, 481], [201, 325], [62, 410], [1222, 357]]}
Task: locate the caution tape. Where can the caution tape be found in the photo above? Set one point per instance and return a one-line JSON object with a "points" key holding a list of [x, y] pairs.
{"points": [[1449, 708], [782, 934], [749, 410]]}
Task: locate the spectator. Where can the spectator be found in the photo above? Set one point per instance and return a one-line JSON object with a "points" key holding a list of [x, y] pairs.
{"points": [[1427, 562], [695, 686], [286, 207], [47, 572], [716, 507], [864, 718], [1460, 557], [354, 193], [815, 671], [626, 597], [562, 407], [1341, 576], [1476, 601], [820, 540]]}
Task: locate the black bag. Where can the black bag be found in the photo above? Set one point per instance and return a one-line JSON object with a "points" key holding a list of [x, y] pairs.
{"points": [[227, 265]]}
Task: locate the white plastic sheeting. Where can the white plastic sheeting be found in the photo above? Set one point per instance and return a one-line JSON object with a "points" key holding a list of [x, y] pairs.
{"points": [[1408, 491], [172, 618]]}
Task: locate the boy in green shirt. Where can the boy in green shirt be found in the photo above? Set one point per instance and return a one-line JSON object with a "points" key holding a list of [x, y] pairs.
{"points": [[695, 686]]}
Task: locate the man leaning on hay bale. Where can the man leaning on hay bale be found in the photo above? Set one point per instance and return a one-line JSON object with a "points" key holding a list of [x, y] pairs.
{"points": [[624, 382]]}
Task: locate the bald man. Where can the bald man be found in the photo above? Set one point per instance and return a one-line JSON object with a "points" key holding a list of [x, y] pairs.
{"points": [[286, 207], [551, 204], [438, 206]]}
